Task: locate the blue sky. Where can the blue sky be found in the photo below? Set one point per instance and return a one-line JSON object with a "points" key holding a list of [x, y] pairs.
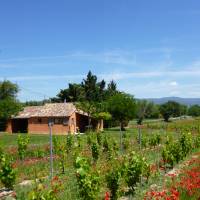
{"points": [[150, 48]]}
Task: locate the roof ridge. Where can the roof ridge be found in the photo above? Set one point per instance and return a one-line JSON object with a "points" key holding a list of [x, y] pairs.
{"points": [[47, 110]]}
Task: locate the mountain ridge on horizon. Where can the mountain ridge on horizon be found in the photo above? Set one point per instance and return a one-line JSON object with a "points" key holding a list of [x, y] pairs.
{"points": [[181, 100]]}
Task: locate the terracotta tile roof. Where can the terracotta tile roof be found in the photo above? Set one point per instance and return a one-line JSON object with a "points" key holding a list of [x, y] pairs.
{"points": [[49, 110]]}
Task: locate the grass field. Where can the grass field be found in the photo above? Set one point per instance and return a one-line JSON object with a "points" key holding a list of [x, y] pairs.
{"points": [[36, 164]]}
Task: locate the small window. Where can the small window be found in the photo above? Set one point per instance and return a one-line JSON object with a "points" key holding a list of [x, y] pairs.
{"points": [[39, 120], [50, 120], [58, 120], [65, 121]]}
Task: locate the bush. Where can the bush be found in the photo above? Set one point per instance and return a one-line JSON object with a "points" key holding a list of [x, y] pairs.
{"points": [[22, 142], [154, 140], [113, 182], [7, 173], [136, 166], [186, 143], [95, 151], [176, 151], [88, 181]]}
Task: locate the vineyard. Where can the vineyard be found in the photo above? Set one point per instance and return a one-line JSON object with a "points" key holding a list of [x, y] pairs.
{"points": [[161, 163]]}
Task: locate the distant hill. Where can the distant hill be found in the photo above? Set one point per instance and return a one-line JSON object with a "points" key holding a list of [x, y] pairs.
{"points": [[186, 101]]}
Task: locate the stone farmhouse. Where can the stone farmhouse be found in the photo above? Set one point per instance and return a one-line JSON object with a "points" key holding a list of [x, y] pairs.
{"points": [[66, 119]]}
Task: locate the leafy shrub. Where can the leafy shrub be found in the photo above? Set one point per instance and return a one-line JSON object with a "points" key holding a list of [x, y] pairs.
{"points": [[169, 154], [154, 140], [186, 143], [135, 168], [175, 150], [172, 153], [22, 142], [113, 182], [7, 173], [95, 151], [88, 181]]}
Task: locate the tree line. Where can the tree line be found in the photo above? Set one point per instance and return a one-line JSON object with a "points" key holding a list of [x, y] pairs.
{"points": [[101, 101]]}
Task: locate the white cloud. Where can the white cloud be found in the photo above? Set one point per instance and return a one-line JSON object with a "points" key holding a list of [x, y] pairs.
{"points": [[173, 83]]}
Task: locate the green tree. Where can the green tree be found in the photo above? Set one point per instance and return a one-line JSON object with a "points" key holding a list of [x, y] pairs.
{"points": [[101, 90], [112, 88], [8, 104], [170, 109], [8, 90], [183, 109], [153, 112], [8, 107], [194, 111], [122, 108], [144, 109], [90, 86], [74, 93], [89, 90]]}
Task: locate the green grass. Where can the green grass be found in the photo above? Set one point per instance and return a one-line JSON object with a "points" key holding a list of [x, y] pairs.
{"points": [[7, 140]]}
